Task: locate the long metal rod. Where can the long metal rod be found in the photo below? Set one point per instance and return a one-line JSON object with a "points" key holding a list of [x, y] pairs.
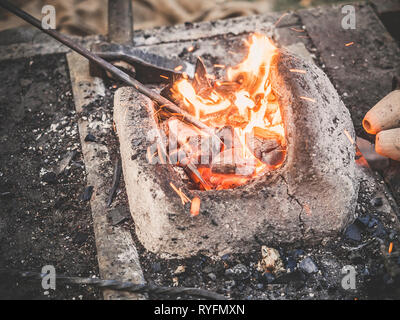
{"points": [[122, 285], [117, 73]]}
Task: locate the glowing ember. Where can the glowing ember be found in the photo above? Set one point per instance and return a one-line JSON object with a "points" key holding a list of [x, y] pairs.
{"points": [[180, 193], [297, 70], [178, 68], [349, 136], [390, 248], [307, 98], [195, 206], [245, 114]]}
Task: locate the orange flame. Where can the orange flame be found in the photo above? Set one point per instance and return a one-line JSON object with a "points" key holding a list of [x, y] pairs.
{"points": [[248, 106]]}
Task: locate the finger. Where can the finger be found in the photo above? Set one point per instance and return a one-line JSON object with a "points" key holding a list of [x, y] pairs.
{"points": [[388, 143], [384, 115]]}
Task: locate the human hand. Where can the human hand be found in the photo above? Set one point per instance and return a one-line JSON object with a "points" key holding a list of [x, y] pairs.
{"points": [[384, 121]]}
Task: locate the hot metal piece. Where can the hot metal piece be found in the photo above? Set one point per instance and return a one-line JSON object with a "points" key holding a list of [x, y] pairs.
{"points": [[146, 67], [150, 68]]}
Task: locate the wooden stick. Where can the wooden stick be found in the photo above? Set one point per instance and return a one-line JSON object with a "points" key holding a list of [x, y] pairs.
{"points": [[388, 143]]}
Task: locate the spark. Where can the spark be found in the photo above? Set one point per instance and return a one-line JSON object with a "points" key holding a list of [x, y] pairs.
{"points": [[195, 206], [180, 193], [297, 30], [307, 98], [178, 68], [390, 248], [219, 66], [165, 77], [349, 44], [307, 209], [280, 18], [348, 136], [297, 70]]}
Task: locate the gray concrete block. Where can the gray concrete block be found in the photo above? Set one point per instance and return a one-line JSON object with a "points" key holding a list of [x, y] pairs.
{"points": [[311, 197]]}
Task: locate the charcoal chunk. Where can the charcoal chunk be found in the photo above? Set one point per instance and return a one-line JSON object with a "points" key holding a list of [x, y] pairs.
{"points": [[228, 162], [200, 82], [49, 177], [87, 194], [261, 147], [274, 158], [268, 277], [90, 138], [353, 232], [377, 202]]}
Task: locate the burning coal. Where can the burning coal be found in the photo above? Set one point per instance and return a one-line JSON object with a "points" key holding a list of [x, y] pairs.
{"points": [[242, 111]]}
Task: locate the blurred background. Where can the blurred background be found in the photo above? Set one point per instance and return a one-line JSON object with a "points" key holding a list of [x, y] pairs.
{"points": [[86, 17]]}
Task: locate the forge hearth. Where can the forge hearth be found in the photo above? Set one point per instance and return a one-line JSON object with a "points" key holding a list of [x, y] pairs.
{"points": [[311, 196]]}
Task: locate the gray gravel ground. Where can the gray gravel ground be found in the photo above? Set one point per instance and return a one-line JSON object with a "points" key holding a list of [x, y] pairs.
{"points": [[42, 218]]}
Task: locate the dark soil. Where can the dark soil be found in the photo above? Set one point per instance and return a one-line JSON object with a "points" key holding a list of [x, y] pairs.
{"points": [[237, 276], [43, 220]]}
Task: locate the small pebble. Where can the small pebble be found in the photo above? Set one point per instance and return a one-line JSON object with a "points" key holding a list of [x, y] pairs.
{"points": [[180, 270], [268, 277], [290, 264], [377, 202], [230, 284], [364, 219], [49, 177], [298, 253], [380, 230], [372, 223], [87, 194], [90, 138], [238, 272], [225, 257], [353, 232], [308, 265], [212, 276]]}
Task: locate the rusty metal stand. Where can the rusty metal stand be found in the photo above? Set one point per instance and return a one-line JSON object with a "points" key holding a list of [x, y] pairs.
{"points": [[120, 21]]}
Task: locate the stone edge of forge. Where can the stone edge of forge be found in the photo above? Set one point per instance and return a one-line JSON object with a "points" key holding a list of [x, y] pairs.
{"points": [[310, 198]]}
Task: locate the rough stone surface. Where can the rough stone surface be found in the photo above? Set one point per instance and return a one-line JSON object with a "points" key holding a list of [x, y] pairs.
{"points": [[311, 197]]}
